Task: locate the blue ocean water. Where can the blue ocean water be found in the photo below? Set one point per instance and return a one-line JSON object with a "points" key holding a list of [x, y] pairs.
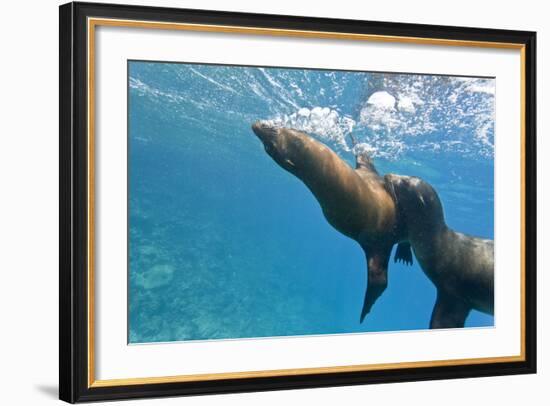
{"points": [[223, 243]]}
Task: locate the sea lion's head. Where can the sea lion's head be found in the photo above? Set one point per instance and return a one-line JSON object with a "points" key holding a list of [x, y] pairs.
{"points": [[291, 149], [417, 201]]}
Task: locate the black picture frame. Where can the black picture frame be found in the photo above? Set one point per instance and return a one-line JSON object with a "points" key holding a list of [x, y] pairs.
{"points": [[74, 385]]}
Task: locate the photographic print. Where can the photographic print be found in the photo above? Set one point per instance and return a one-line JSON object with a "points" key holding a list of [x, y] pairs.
{"points": [[277, 202], [260, 202]]}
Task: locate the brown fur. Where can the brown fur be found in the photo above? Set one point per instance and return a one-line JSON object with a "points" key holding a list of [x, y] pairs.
{"points": [[460, 266], [354, 201]]}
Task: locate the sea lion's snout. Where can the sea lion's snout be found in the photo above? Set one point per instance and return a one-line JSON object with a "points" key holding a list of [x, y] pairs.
{"points": [[264, 131]]}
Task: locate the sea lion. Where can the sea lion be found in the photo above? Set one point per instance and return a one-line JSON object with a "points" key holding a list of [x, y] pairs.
{"points": [[354, 201], [460, 266]]}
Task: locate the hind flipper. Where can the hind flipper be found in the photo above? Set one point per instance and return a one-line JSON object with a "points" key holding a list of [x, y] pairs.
{"points": [[403, 253], [449, 312], [377, 276]]}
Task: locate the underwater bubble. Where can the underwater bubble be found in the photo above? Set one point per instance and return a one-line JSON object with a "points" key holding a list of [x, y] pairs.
{"points": [[406, 104], [323, 122], [382, 100]]}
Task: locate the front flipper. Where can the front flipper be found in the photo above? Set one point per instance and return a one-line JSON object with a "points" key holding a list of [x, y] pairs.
{"points": [[449, 312], [403, 253], [377, 276]]}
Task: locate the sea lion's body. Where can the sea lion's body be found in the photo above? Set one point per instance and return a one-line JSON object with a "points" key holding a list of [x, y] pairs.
{"points": [[459, 265], [354, 201]]}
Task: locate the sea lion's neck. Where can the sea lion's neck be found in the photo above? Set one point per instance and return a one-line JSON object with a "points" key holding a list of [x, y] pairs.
{"points": [[420, 208], [421, 227], [424, 235], [330, 178], [326, 178], [427, 246]]}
